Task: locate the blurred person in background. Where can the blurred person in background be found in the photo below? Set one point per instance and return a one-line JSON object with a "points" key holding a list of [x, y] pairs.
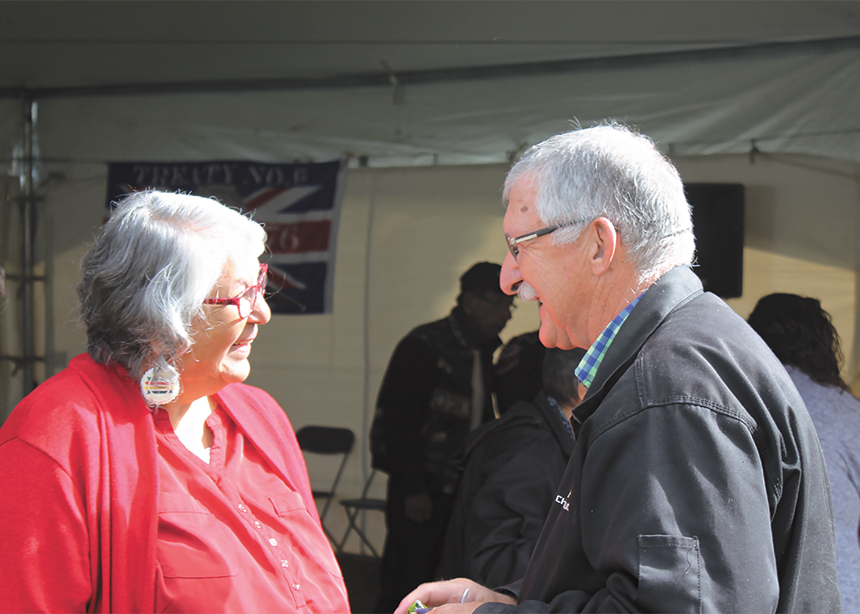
{"points": [[511, 468], [437, 388], [801, 334], [517, 374], [145, 476]]}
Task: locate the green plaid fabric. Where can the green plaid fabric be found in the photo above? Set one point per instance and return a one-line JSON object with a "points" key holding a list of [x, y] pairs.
{"points": [[587, 367]]}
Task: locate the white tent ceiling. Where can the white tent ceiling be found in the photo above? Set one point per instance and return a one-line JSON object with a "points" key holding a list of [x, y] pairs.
{"points": [[406, 82]]}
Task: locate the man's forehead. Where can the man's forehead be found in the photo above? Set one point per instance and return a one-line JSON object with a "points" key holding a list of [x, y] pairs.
{"points": [[524, 189], [521, 212]]}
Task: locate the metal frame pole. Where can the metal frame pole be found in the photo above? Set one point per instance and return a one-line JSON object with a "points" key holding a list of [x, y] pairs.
{"points": [[28, 207]]}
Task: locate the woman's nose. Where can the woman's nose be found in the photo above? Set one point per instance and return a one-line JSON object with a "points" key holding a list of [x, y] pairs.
{"points": [[261, 313]]}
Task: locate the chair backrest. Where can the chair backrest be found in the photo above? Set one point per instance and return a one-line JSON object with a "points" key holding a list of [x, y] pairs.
{"points": [[326, 439], [329, 440]]}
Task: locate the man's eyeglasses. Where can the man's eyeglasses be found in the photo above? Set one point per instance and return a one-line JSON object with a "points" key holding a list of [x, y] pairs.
{"points": [[513, 243], [246, 301]]}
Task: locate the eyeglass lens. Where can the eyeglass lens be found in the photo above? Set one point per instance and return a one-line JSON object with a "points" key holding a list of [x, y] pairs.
{"points": [[248, 299]]}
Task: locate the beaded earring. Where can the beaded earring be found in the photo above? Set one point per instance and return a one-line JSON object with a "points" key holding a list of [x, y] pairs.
{"points": [[159, 386]]}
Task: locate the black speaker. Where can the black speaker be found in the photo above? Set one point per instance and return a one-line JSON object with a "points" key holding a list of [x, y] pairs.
{"points": [[718, 223]]}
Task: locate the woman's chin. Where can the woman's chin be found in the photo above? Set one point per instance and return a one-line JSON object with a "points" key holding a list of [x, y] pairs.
{"points": [[234, 369]]}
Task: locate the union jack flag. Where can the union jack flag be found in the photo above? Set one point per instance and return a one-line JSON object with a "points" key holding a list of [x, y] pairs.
{"points": [[299, 205]]}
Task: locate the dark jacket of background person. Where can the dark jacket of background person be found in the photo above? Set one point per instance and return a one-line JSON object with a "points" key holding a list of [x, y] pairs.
{"points": [[505, 493], [803, 337], [423, 415], [685, 482], [517, 374], [425, 400]]}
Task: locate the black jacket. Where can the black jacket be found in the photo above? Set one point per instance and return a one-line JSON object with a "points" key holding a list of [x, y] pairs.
{"points": [[518, 374], [696, 483], [424, 407], [509, 482]]}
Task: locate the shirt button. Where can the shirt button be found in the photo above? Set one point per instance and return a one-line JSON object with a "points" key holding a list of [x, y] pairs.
{"points": [[273, 541], [297, 586], [242, 507], [258, 524], [285, 563]]}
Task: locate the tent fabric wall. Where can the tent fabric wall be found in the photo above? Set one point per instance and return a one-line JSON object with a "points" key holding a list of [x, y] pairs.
{"points": [[784, 101]]}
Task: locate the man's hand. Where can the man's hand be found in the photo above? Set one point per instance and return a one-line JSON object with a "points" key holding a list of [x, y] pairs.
{"points": [[419, 507], [453, 592]]}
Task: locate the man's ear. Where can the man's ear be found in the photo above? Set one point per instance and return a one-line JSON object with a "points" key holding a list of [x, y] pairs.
{"points": [[605, 245]]}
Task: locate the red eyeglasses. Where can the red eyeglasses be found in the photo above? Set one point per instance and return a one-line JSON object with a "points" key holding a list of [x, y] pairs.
{"points": [[246, 301]]}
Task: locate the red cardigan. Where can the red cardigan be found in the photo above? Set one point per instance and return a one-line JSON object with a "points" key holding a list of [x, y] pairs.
{"points": [[79, 474]]}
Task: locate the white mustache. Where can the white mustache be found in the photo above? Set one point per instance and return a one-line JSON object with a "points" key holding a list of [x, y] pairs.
{"points": [[526, 292]]}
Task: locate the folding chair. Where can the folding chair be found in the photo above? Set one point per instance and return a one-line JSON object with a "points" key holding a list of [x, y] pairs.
{"points": [[353, 507], [331, 441]]}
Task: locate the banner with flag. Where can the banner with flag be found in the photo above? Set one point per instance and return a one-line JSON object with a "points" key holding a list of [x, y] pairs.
{"points": [[299, 205]]}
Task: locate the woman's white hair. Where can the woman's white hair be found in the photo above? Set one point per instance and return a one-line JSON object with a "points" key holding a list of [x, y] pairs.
{"points": [[610, 171], [152, 265]]}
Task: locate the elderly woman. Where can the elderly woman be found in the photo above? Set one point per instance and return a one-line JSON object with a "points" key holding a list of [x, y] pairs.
{"points": [[145, 476]]}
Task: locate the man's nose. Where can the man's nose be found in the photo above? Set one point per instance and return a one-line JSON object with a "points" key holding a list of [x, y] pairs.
{"points": [[510, 279]]}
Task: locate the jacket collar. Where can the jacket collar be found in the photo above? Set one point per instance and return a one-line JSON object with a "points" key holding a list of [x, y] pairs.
{"points": [[673, 289], [553, 419]]}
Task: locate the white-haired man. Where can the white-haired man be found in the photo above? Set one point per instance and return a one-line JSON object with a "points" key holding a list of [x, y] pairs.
{"points": [[696, 482]]}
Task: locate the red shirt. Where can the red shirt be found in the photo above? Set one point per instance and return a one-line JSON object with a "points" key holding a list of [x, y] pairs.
{"points": [[232, 536]]}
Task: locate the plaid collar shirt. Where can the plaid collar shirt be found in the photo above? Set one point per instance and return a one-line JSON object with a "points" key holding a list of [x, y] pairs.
{"points": [[587, 367]]}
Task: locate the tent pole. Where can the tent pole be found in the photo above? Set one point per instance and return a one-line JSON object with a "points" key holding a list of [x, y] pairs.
{"points": [[28, 205]]}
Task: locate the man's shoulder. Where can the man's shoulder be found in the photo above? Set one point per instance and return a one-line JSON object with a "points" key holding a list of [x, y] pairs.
{"points": [[708, 328], [502, 441], [706, 358], [433, 336], [523, 341], [521, 415], [695, 352], [442, 325], [522, 424], [703, 320], [705, 341]]}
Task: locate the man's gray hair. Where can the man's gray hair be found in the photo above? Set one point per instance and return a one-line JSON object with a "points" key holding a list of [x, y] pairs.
{"points": [[152, 265], [610, 171]]}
